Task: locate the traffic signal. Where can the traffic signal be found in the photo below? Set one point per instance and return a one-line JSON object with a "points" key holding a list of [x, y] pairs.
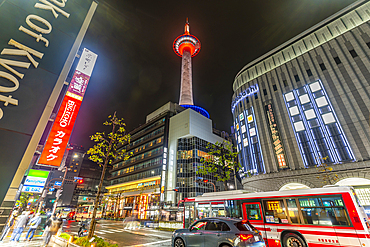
{"points": [[78, 180], [201, 180], [176, 189]]}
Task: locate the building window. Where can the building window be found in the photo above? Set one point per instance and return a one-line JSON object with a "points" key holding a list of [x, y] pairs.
{"points": [[337, 60], [285, 83], [296, 77], [368, 44], [353, 53], [309, 73], [264, 92], [274, 87], [322, 66]]}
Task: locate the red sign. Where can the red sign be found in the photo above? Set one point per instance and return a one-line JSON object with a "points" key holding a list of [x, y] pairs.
{"points": [[60, 132]]}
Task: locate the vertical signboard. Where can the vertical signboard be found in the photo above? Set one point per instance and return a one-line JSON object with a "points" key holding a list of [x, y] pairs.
{"points": [[60, 133], [35, 181], [275, 136], [35, 42]]}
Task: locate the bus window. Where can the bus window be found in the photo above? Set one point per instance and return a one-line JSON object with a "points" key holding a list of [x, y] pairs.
{"points": [[189, 214], [234, 209], [324, 211], [316, 216], [217, 209], [253, 211], [293, 211], [275, 211], [202, 210]]}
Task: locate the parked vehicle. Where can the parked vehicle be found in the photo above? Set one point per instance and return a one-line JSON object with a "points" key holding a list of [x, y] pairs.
{"points": [[218, 231]]}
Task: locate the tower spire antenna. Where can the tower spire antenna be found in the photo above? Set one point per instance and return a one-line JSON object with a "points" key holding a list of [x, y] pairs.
{"points": [[187, 27]]}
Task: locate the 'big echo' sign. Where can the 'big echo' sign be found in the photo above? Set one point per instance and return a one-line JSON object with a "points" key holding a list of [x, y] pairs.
{"points": [[61, 131]]}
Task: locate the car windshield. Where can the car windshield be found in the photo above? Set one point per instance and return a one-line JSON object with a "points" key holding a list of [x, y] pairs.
{"points": [[244, 226]]}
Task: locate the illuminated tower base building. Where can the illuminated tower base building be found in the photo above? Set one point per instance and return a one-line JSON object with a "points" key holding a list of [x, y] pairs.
{"points": [[167, 150], [307, 103]]}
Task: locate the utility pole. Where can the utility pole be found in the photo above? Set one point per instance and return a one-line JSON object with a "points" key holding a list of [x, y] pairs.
{"points": [[59, 191]]}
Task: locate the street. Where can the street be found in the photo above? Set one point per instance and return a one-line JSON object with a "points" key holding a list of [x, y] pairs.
{"points": [[113, 230]]}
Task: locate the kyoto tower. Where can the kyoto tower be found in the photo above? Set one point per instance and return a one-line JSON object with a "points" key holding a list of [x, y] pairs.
{"points": [[187, 46]]}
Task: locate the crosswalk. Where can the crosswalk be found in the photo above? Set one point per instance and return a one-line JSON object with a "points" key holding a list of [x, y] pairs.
{"points": [[34, 242]]}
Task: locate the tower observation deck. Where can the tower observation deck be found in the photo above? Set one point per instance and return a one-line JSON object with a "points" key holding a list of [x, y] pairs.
{"points": [[187, 46]]}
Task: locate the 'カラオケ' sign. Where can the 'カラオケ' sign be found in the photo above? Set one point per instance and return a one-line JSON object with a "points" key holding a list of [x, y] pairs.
{"points": [[61, 131]]}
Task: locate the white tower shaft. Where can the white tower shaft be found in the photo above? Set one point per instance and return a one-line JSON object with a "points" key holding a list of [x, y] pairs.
{"points": [[186, 90]]}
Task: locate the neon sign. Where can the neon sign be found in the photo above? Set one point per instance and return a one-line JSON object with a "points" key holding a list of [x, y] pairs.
{"points": [[247, 92], [275, 136], [62, 128]]}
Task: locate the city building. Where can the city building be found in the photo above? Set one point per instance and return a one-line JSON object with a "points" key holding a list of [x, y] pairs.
{"points": [[306, 103], [167, 152]]}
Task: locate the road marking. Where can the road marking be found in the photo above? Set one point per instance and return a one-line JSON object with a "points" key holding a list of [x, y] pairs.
{"points": [[99, 232], [106, 231], [148, 244], [146, 234], [116, 230]]}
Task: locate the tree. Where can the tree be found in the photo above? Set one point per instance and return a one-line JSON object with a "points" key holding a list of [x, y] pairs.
{"points": [[325, 172], [23, 200], [107, 150], [221, 162]]}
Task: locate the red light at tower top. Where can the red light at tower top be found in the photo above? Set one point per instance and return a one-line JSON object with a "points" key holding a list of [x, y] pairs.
{"points": [[186, 42]]}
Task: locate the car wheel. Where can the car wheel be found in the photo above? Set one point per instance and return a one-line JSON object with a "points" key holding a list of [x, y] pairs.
{"points": [[179, 243], [293, 240]]}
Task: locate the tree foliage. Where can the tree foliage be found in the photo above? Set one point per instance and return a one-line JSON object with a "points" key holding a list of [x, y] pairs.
{"points": [[108, 148], [23, 200], [99, 152], [221, 162], [325, 172]]}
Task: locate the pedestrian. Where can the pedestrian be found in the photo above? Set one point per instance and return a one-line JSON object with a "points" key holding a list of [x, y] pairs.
{"points": [[9, 224], [33, 224], [19, 226], [82, 227], [55, 223]]}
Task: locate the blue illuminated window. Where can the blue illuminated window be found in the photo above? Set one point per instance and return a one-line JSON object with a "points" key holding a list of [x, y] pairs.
{"points": [[317, 129], [248, 142]]}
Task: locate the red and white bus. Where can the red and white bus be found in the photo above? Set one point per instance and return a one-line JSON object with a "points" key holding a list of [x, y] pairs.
{"points": [[328, 217]]}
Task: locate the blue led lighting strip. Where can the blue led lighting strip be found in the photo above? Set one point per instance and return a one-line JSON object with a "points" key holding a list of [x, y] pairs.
{"points": [[308, 128], [299, 141], [337, 124], [328, 140], [258, 141]]}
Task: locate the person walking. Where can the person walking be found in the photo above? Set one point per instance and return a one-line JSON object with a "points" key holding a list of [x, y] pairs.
{"points": [[33, 224], [55, 223], [21, 223], [9, 224]]}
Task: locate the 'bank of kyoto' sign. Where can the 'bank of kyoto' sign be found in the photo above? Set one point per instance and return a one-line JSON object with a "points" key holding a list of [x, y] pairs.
{"points": [[62, 128], [275, 136], [36, 37]]}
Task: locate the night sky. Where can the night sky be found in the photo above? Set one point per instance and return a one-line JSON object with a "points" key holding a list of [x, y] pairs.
{"points": [[137, 71]]}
